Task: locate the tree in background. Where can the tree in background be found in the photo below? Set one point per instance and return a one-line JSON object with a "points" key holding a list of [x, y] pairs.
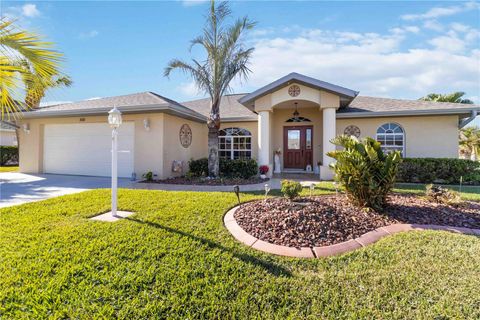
{"points": [[28, 67], [455, 97], [226, 59], [470, 142]]}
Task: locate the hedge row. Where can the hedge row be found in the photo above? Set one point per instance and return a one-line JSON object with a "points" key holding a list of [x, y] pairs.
{"points": [[240, 168], [439, 170], [8, 155]]}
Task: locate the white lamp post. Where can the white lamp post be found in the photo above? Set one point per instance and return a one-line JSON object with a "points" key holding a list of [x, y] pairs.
{"points": [[115, 120]]}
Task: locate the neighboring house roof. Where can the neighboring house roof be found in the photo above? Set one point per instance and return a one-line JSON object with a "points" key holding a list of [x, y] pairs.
{"points": [[230, 108], [7, 126], [344, 93], [130, 103], [363, 106]]}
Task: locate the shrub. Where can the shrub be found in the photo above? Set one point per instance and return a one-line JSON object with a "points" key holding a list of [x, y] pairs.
{"points": [[442, 195], [263, 169], [366, 173], [441, 170], [239, 168], [291, 189], [198, 168], [8, 155], [148, 176]]}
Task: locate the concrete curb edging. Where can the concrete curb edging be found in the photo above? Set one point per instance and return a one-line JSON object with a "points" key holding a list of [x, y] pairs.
{"points": [[335, 249]]}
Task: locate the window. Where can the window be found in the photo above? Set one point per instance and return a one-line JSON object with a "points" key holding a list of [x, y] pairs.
{"points": [[392, 137], [298, 119], [235, 143]]}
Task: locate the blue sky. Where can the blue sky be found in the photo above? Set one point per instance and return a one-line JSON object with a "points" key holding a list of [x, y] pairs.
{"points": [[391, 49]]}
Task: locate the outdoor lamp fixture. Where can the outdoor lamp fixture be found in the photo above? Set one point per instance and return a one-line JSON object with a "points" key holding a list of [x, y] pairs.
{"points": [[267, 190], [295, 113], [26, 128], [146, 124], [236, 189], [115, 120]]}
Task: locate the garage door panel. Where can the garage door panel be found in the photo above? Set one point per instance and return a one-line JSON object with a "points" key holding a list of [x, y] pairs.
{"points": [[85, 149]]}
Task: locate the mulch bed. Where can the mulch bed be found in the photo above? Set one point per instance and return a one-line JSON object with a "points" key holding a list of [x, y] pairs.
{"points": [[209, 182], [326, 220]]}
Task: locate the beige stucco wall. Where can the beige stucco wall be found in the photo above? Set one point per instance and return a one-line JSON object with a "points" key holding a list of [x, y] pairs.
{"points": [[280, 116], [426, 136], [154, 149], [173, 150]]}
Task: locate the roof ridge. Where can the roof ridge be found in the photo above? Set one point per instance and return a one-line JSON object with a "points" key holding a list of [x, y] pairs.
{"points": [[418, 100]]}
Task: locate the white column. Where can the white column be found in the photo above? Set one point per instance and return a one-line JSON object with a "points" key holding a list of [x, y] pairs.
{"points": [[264, 129], [114, 171], [329, 132]]}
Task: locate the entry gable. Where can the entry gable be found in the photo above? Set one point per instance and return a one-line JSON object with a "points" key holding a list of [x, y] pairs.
{"points": [[278, 91]]}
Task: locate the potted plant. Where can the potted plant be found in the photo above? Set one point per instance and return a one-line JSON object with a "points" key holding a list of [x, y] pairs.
{"points": [[263, 171], [316, 170]]}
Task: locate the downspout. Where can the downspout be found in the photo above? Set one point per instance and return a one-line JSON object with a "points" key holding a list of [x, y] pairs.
{"points": [[463, 122]]}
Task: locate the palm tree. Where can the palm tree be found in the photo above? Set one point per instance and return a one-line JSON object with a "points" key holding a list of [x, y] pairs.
{"points": [[16, 46], [455, 97], [470, 142], [226, 59]]}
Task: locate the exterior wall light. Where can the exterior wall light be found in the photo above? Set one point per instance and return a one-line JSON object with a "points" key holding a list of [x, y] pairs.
{"points": [[146, 124]]}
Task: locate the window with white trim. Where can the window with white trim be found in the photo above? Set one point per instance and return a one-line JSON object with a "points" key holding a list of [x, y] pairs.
{"points": [[235, 143], [392, 138]]}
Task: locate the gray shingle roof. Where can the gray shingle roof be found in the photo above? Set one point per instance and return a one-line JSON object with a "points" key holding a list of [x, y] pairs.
{"points": [[366, 105], [230, 108], [136, 102]]}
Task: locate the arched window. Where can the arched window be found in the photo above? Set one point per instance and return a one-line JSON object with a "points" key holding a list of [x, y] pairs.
{"points": [[298, 119], [392, 137], [235, 143]]}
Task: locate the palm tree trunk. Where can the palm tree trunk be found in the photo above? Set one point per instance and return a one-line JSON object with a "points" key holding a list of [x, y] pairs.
{"points": [[473, 155], [213, 125]]}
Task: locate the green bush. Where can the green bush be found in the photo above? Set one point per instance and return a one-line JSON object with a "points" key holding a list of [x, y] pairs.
{"points": [[198, 168], [8, 155], [440, 170], [239, 168], [291, 189], [366, 173]]}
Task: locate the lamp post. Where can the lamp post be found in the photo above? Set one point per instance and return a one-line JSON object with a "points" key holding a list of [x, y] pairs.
{"points": [[115, 120]]}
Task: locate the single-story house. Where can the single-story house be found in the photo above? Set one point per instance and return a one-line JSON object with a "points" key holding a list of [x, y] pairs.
{"points": [[8, 135], [294, 117]]}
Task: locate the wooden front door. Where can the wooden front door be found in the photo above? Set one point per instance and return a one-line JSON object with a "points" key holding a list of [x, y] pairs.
{"points": [[297, 147]]}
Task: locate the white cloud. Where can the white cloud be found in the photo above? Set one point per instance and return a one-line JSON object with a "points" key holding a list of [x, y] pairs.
{"points": [[93, 98], [372, 63], [433, 25], [88, 35], [439, 12], [189, 89], [30, 10]]}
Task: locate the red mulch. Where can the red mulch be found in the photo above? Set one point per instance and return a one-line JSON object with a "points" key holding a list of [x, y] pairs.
{"points": [[327, 220], [209, 182]]}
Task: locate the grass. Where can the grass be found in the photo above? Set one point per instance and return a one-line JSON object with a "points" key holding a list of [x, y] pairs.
{"points": [[175, 259], [8, 169]]}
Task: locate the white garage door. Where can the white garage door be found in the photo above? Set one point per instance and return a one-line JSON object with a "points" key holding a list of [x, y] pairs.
{"points": [[85, 149]]}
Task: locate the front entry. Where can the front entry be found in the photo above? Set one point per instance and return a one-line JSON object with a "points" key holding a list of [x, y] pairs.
{"points": [[298, 147]]}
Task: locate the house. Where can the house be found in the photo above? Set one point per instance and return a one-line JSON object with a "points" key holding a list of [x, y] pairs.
{"points": [[8, 135], [296, 116]]}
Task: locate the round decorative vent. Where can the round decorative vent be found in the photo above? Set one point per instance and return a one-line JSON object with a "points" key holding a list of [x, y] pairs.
{"points": [[352, 131], [294, 90], [185, 136]]}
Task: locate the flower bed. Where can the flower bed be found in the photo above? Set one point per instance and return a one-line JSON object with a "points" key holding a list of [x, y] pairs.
{"points": [[209, 182], [327, 220]]}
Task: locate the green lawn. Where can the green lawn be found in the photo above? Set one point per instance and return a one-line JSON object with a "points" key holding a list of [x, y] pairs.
{"points": [[174, 259], [8, 169]]}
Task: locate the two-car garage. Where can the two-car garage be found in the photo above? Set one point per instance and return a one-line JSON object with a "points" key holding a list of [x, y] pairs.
{"points": [[85, 149]]}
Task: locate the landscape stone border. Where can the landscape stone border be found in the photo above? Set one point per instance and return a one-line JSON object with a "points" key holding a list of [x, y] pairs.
{"points": [[335, 249]]}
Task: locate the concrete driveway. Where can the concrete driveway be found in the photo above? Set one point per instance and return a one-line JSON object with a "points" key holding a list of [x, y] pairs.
{"points": [[17, 188]]}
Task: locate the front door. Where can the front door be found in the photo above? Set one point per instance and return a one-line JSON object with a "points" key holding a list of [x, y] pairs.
{"points": [[298, 147]]}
